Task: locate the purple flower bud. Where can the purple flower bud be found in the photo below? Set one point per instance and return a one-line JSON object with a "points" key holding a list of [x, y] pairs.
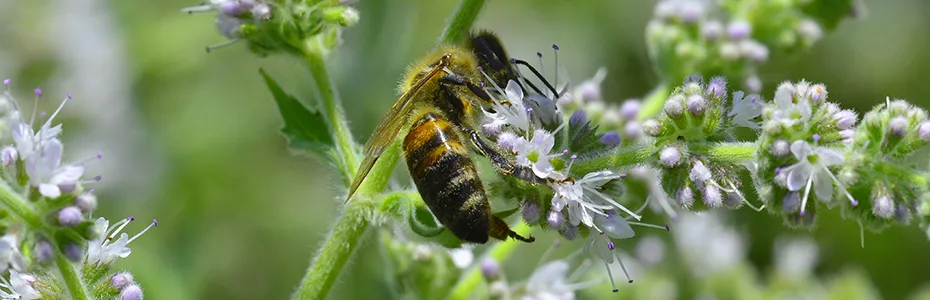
{"points": [[610, 139], [923, 131], [685, 197], [845, 119], [818, 93], [673, 106], [530, 211], [717, 87], [697, 105], [74, 252], [712, 30], [261, 11], [633, 130], [86, 202], [555, 219], [570, 232], [70, 216], [578, 118], [131, 292], [712, 196], [43, 251], [67, 187], [8, 155], [230, 8], [780, 148], [490, 269], [847, 135], [791, 202], [507, 140], [491, 130], [121, 280], [883, 207], [629, 109], [898, 126], [589, 91], [38, 92], [652, 127], [738, 30], [816, 137], [6, 81], [669, 157]]}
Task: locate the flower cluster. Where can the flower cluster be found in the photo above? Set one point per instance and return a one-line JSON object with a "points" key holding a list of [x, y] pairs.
{"points": [[268, 26], [53, 207], [686, 36]]}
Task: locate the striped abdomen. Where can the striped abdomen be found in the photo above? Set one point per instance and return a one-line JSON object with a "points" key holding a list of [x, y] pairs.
{"points": [[447, 180]]}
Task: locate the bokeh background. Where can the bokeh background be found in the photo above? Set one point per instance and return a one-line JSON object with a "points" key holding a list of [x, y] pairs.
{"points": [[192, 139]]}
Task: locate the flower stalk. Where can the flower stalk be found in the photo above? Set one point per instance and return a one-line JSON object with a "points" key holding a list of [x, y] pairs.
{"points": [[70, 276]]}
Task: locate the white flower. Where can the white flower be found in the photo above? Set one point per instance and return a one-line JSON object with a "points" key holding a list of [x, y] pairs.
{"points": [[787, 110], [584, 201], [46, 172], [101, 251], [27, 141], [535, 153], [745, 109], [19, 286], [461, 257], [510, 113], [811, 171], [9, 254], [550, 282]]}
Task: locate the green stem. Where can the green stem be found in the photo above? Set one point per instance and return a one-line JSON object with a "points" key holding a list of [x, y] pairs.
{"points": [[626, 157], [499, 252], [70, 275], [332, 108], [733, 153], [23, 209], [654, 102], [461, 21]]}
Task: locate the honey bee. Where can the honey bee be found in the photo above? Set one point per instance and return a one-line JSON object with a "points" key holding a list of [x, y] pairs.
{"points": [[439, 112]]}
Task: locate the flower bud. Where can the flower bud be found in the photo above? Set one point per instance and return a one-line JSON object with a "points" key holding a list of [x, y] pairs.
{"points": [[883, 207], [43, 251], [696, 105], [570, 232], [845, 119], [673, 107], [669, 157], [610, 139], [754, 51], [791, 202], [490, 268], [498, 290], [633, 130], [848, 135], [652, 127], [712, 30], [507, 140], [685, 197], [729, 51], [691, 12], [810, 30], [780, 148], [818, 93], [902, 214], [262, 11], [343, 15], [578, 118], [923, 131], [530, 211], [74, 252], [131, 292], [121, 280], [738, 30], [555, 219], [8, 156], [717, 87], [629, 109], [712, 196], [898, 126], [589, 91], [70, 216], [87, 202]]}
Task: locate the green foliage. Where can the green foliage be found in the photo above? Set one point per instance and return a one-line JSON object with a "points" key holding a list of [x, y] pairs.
{"points": [[304, 128]]}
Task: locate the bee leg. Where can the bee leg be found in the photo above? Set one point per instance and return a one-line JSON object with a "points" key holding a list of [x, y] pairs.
{"points": [[501, 161], [462, 80], [500, 230]]}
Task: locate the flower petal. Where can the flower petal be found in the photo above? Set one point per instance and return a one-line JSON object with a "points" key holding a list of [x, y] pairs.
{"points": [[49, 190], [67, 174], [823, 185], [801, 150], [829, 157], [798, 176], [614, 226], [514, 92]]}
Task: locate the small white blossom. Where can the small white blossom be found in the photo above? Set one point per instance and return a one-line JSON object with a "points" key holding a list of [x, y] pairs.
{"points": [[535, 153], [510, 113], [811, 171], [745, 109], [10, 257], [103, 249], [19, 286], [584, 201], [787, 110], [46, 172]]}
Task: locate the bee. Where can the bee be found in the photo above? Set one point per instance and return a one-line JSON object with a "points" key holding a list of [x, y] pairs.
{"points": [[438, 114]]}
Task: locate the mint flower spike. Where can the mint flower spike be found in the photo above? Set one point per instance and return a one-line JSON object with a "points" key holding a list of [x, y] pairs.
{"points": [[513, 112], [812, 171], [19, 286]]}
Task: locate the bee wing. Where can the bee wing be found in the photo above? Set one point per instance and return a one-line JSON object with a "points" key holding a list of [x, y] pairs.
{"points": [[388, 129]]}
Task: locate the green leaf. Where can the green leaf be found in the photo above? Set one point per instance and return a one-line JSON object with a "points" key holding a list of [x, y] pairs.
{"points": [[304, 128], [422, 221], [829, 13]]}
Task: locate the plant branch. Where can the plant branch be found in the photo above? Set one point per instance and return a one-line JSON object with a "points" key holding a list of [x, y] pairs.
{"points": [[499, 252], [626, 157], [461, 22], [735, 153], [70, 276]]}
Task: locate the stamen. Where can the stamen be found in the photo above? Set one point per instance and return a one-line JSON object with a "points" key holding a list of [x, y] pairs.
{"points": [[611, 201], [499, 90], [571, 162], [837, 181], [197, 9], [35, 107], [746, 201], [649, 225], [154, 224], [87, 159], [221, 45], [48, 123], [556, 131], [115, 229], [807, 191], [611, 276], [623, 267]]}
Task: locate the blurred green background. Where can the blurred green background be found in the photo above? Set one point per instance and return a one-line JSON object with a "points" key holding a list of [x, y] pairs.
{"points": [[192, 138]]}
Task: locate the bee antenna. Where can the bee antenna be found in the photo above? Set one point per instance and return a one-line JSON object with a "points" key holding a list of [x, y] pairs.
{"points": [[537, 73]]}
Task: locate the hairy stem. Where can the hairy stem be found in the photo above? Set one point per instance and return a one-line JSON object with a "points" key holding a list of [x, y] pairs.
{"points": [[499, 252], [332, 109], [461, 22], [70, 276], [22, 209], [654, 102], [626, 157], [734, 153]]}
